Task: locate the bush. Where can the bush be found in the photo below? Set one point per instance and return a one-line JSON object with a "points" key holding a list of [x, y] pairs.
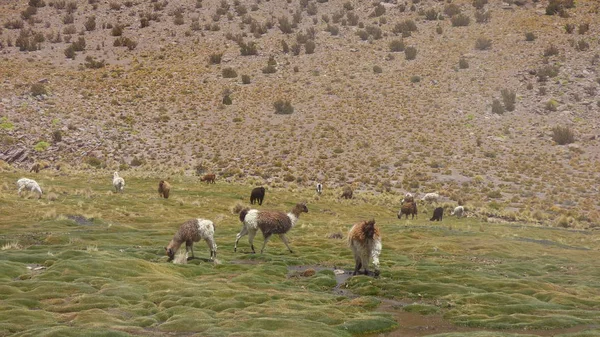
{"points": [[509, 98], [117, 30], [582, 45], [247, 49], [432, 14], [451, 10], [91, 63], [38, 89], [551, 105], [479, 4], [551, 50], [569, 28], [309, 47], [497, 107], [227, 100], [283, 107], [547, 71], [229, 73], [41, 146], [415, 79], [57, 136], [563, 135], [410, 53], [215, 58], [460, 20], [377, 69], [529, 36], [79, 45], [463, 63], [269, 69], [583, 28], [284, 25], [125, 42], [482, 16], [483, 43], [245, 79], [90, 23], [70, 52], [397, 46]]}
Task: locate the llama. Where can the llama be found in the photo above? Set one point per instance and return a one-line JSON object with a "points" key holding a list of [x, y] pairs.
{"points": [[408, 208], [269, 223], [257, 195], [209, 178], [430, 197], [164, 188], [459, 211], [438, 214], [347, 193], [118, 182], [30, 185], [192, 231], [319, 188], [408, 197], [365, 241]]}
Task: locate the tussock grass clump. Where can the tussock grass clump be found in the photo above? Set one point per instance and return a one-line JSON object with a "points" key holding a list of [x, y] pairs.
{"points": [[410, 53], [563, 135], [396, 46], [509, 98], [460, 20], [551, 50], [229, 73], [283, 107], [483, 43]]}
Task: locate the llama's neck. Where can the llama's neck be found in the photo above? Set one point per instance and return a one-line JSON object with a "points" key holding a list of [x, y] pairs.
{"points": [[293, 215]]}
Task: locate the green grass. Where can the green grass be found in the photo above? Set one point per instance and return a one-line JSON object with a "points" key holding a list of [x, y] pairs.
{"points": [[104, 271]]}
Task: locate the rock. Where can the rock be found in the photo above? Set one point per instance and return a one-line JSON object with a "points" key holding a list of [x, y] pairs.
{"points": [[14, 155]]}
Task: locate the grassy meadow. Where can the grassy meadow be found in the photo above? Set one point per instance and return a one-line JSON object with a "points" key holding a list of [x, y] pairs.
{"points": [[86, 261]]}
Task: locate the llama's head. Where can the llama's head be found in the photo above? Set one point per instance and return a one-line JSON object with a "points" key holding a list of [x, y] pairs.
{"points": [[116, 174], [369, 229], [301, 208], [170, 253]]}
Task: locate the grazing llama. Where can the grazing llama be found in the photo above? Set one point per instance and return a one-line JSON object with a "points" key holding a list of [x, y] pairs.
{"points": [[269, 223], [438, 214], [347, 193], [365, 241], [257, 195], [118, 182], [164, 188], [29, 185], [192, 231], [408, 207], [209, 178], [459, 211]]}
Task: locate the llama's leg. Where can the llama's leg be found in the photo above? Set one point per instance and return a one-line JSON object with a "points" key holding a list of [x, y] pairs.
{"points": [[189, 246], [251, 234], [285, 241], [20, 189], [243, 232], [213, 248], [265, 243], [357, 265]]}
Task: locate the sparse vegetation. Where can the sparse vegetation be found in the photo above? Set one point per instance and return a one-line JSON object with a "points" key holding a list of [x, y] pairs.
{"points": [[283, 107], [563, 135], [410, 53], [229, 73], [483, 43]]}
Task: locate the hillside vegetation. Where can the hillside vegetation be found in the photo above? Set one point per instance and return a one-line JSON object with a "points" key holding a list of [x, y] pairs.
{"points": [[489, 102]]}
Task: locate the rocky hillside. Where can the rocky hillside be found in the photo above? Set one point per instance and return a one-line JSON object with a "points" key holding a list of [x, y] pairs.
{"points": [[492, 103]]}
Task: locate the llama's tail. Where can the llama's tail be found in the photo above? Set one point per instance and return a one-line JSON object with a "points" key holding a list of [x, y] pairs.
{"points": [[243, 213]]}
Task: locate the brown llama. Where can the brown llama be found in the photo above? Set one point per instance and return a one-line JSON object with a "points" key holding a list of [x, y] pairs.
{"points": [[347, 193], [408, 208], [164, 188], [209, 178], [365, 241], [269, 223]]}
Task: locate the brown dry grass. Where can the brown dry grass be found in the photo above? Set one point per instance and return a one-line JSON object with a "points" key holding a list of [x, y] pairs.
{"points": [[161, 103]]}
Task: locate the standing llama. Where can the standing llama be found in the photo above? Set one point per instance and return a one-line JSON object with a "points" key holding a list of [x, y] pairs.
{"points": [[209, 178], [319, 188], [118, 182], [192, 231], [365, 241], [347, 193], [269, 223], [29, 185], [164, 188], [257, 195], [408, 208]]}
